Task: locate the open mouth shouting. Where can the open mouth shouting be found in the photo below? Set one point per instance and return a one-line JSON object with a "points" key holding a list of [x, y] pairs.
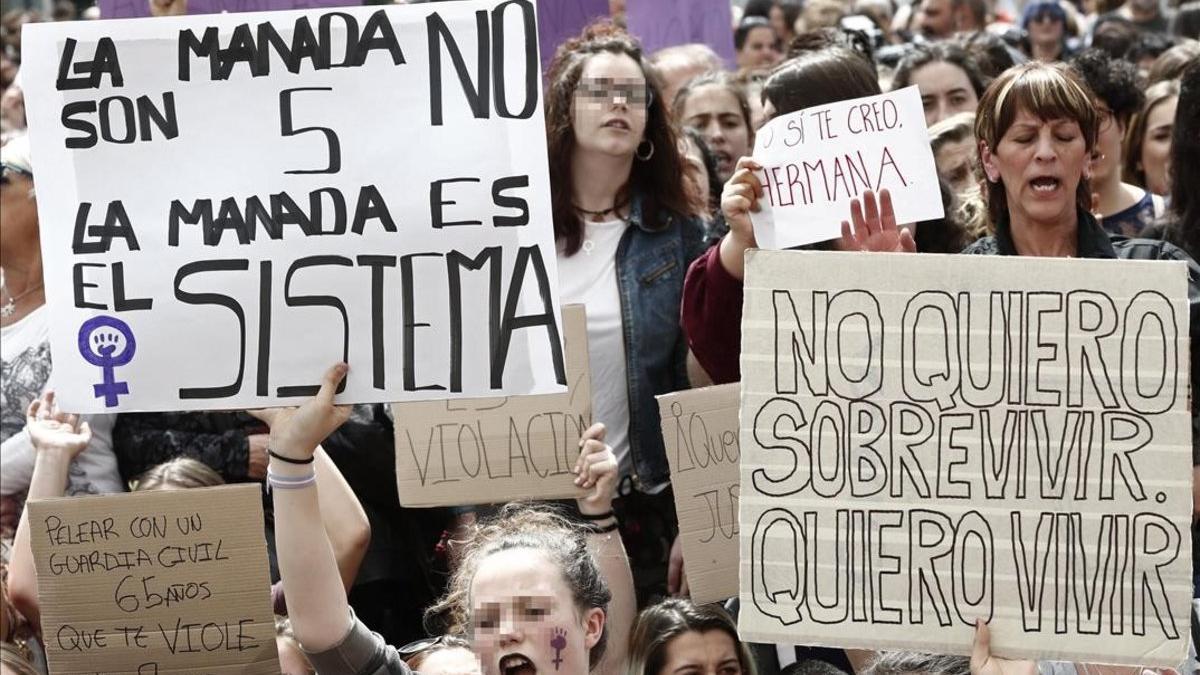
{"points": [[1045, 185], [517, 664]]}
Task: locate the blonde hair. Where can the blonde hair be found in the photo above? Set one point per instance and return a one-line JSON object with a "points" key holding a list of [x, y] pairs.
{"points": [[1048, 91], [181, 473]]}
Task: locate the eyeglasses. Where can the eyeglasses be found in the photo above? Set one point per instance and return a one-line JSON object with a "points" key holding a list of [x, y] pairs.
{"points": [[425, 644], [606, 90]]}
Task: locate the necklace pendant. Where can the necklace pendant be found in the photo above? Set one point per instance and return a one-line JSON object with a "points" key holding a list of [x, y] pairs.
{"points": [[8, 309]]}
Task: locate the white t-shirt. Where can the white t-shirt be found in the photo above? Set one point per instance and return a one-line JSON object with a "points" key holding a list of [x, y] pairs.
{"points": [[24, 372], [590, 278]]}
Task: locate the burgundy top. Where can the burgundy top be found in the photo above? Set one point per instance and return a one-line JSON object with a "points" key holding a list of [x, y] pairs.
{"points": [[711, 315]]}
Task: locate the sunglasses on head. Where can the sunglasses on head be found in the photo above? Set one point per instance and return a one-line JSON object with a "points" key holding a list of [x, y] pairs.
{"points": [[605, 90]]}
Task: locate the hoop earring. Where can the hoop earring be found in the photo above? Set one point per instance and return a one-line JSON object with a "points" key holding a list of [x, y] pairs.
{"points": [[648, 154]]}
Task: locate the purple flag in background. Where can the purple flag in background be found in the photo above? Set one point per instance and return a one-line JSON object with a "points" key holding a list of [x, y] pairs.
{"points": [[559, 20], [666, 23], [131, 9]]}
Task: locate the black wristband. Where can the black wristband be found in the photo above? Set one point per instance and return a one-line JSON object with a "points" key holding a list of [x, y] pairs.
{"points": [[611, 527], [290, 460], [598, 516]]}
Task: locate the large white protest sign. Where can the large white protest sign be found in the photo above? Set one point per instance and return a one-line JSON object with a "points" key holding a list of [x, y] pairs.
{"points": [[817, 159], [231, 203], [927, 440]]}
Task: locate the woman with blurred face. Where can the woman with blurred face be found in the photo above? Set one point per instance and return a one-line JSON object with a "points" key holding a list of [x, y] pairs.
{"points": [[716, 106], [1148, 142], [626, 228]]}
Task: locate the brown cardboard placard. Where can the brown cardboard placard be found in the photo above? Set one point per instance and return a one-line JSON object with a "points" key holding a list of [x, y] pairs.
{"points": [[700, 432], [491, 450], [155, 582], [931, 439]]}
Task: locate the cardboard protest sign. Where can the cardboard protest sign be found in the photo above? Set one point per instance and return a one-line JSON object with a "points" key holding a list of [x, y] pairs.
{"points": [[132, 9], [559, 20], [666, 23], [240, 201], [155, 582], [700, 432], [927, 440], [483, 451], [818, 159]]}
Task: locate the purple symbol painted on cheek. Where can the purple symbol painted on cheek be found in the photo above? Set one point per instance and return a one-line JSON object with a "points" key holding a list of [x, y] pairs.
{"points": [[559, 643]]}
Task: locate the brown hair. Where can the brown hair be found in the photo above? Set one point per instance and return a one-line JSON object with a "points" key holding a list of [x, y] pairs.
{"points": [[715, 78], [181, 473], [827, 75], [1047, 91], [659, 179], [1135, 136], [659, 624], [538, 528]]}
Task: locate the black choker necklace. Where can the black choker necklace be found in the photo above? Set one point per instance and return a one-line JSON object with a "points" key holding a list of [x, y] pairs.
{"points": [[612, 209]]}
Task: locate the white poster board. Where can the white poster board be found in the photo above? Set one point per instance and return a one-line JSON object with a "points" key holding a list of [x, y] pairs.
{"points": [[818, 159], [927, 440], [231, 203]]}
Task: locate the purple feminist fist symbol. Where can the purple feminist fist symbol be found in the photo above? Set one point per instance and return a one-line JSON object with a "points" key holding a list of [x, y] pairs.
{"points": [[99, 339], [559, 643]]}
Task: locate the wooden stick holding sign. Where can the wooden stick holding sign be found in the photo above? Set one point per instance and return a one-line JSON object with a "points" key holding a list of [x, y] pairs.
{"points": [[928, 440], [155, 582], [480, 451], [700, 432]]}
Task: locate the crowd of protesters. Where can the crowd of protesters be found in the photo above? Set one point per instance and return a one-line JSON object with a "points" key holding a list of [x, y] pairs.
{"points": [[1058, 129]]}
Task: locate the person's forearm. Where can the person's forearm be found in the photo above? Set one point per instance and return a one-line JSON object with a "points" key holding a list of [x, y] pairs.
{"points": [[50, 473], [316, 599], [343, 517], [733, 255]]}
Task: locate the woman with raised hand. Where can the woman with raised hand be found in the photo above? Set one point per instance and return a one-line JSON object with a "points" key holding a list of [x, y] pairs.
{"points": [[712, 295], [537, 593], [625, 235]]}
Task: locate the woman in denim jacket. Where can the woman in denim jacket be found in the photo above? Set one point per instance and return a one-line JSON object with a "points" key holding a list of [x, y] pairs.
{"points": [[625, 232]]}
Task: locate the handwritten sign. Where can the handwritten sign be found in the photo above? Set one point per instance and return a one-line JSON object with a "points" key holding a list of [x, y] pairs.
{"points": [[817, 159], [484, 451], [246, 199], [155, 582], [700, 432], [132, 9], [931, 439], [667, 23]]}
